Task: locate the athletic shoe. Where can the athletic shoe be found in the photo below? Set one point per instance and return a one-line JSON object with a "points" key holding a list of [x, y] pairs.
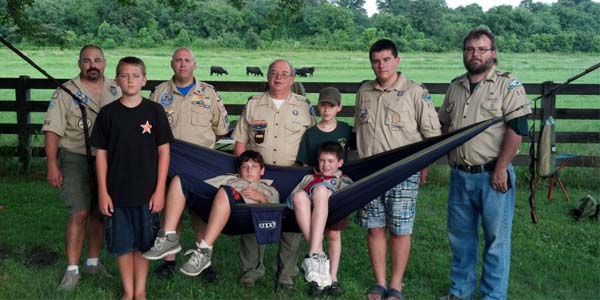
{"points": [[163, 245], [199, 260], [69, 280], [98, 269]]}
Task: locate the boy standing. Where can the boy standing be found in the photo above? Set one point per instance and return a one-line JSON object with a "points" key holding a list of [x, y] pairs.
{"points": [[132, 138], [310, 202], [246, 187], [328, 129]]}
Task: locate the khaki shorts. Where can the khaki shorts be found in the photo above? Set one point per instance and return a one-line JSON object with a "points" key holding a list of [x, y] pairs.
{"points": [[76, 191]]}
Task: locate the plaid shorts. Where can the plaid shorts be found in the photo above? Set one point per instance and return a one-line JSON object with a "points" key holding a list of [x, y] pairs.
{"points": [[395, 209]]}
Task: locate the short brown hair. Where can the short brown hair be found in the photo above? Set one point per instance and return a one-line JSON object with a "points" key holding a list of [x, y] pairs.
{"points": [[131, 60]]}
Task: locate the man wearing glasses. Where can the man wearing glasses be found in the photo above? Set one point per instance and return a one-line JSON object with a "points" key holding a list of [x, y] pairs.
{"points": [[273, 124], [482, 182]]}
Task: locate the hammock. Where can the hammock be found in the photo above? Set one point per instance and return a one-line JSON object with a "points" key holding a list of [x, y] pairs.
{"points": [[372, 176]]}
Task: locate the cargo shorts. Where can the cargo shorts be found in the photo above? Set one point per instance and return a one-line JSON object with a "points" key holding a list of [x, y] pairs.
{"points": [[76, 190]]}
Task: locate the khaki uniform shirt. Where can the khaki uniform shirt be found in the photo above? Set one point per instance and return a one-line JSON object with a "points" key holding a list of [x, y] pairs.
{"points": [[196, 118], [392, 118], [495, 96], [339, 181], [238, 184], [64, 116], [275, 134]]}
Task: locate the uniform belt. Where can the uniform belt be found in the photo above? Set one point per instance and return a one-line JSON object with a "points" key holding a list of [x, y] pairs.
{"points": [[488, 167]]}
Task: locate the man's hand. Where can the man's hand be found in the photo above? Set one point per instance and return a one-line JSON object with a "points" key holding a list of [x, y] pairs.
{"points": [[500, 180], [254, 194], [54, 176], [105, 204], [157, 202], [423, 176]]}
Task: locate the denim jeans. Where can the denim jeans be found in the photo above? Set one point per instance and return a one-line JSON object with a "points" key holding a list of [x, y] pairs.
{"points": [[472, 201]]}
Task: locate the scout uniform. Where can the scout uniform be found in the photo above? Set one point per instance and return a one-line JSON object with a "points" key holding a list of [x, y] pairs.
{"points": [[392, 118], [497, 94], [333, 183], [238, 184], [64, 119], [275, 134], [198, 117], [64, 116]]}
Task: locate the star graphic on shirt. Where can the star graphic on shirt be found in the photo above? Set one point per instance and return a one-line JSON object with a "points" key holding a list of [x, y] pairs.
{"points": [[146, 127]]}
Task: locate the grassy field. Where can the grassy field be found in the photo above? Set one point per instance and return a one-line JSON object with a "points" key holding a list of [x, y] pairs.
{"points": [[556, 259]]}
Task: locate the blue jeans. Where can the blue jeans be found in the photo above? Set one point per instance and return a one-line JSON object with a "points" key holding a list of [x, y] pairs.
{"points": [[473, 201]]}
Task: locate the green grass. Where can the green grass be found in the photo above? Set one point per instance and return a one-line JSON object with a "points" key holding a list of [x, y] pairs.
{"points": [[555, 259]]}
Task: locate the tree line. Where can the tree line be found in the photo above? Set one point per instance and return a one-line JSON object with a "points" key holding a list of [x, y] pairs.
{"points": [[415, 25]]}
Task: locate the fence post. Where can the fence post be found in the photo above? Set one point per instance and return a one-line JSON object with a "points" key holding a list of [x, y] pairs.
{"points": [[548, 102], [23, 95]]}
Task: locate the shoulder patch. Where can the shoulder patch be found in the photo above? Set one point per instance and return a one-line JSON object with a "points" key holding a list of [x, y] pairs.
{"points": [[515, 83]]}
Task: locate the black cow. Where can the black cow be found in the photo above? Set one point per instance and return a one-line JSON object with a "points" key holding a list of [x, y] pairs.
{"points": [[301, 72], [254, 71], [309, 70], [217, 70]]}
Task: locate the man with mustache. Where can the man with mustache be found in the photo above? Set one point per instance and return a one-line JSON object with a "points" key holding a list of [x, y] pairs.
{"points": [[67, 163], [482, 182], [197, 115]]}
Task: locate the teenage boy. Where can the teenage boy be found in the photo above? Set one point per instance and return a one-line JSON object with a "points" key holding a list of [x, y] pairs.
{"points": [[132, 138], [310, 202], [246, 187], [328, 129]]}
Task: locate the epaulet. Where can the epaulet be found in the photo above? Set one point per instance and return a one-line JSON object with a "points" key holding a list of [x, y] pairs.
{"points": [[257, 97], [204, 84], [302, 98], [505, 74], [457, 78]]}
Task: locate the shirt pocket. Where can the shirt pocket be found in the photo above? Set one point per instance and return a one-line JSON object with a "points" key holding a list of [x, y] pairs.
{"points": [[294, 131], [200, 116], [398, 118], [74, 118], [491, 108]]}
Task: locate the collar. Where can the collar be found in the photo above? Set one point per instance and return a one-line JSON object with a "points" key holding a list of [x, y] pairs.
{"points": [[337, 174], [399, 85], [491, 75], [197, 89], [265, 99]]}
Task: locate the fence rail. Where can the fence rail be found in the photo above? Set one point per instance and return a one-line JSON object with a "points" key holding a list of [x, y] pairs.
{"points": [[23, 106]]}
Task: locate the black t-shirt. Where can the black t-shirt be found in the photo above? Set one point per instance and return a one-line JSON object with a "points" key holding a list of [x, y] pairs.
{"points": [[131, 136]]}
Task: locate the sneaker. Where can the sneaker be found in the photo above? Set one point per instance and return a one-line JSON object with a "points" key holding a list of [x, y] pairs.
{"points": [[335, 289], [98, 269], [285, 281], [163, 245], [310, 267], [249, 278], [69, 280], [211, 275], [199, 260], [323, 271], [314, 290], [165, 270]]}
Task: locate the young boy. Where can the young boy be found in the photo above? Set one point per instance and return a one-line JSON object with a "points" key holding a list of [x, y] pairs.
{"points": [[310, 202], [246, 187], [132, 138], [328, 129]]}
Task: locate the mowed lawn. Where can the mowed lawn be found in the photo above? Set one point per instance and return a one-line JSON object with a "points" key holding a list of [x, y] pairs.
{"points": [[555, 259]]}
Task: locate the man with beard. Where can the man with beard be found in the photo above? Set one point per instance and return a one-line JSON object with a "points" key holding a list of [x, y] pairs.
{"points": [[196, 115], [391, 111], [482, 182], [64, 126]]}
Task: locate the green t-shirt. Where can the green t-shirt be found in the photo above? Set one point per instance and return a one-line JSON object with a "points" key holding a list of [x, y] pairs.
{"points": [[313, 137]]}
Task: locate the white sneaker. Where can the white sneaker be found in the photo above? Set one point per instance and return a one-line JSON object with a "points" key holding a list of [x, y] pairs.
{"points": [[324, 275], [310, 267]]}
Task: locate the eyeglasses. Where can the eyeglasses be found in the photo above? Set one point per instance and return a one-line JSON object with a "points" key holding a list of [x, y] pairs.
{"points": [[471, 50], [280, 74]]}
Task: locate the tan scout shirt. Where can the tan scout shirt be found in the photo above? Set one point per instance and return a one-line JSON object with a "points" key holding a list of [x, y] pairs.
{"points": [[64, 116], [338, 182], [275, 134], [238, 184], [196, 118], [388, 119], [496, 95]]}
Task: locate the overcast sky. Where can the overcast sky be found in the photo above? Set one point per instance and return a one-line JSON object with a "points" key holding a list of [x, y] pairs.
{"points": [[371, 7]]}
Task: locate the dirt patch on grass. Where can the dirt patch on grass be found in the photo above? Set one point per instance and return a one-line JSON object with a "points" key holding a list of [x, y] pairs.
{"points": [[40, 256]]}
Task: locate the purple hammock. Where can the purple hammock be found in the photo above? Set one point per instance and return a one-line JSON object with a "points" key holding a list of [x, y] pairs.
{"points": [[372, 176]]}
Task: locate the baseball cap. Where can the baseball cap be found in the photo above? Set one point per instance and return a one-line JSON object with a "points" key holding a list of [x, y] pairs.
{"points": [[330, 95]]}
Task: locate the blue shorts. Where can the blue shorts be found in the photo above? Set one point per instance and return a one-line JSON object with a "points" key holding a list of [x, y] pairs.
{"points": [[395, 209], [131, 229], [290, 203]]}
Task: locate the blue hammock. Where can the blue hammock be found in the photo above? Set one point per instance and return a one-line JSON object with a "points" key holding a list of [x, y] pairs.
{"points": [[372, 176]]}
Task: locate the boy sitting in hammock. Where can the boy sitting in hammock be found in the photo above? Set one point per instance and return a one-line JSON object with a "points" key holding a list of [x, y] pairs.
{"points": [[310, 202], [245, 187]]}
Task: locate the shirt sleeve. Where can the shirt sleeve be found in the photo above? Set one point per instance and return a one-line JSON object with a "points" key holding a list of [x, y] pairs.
{"points": [[220, 120], [272, 195], [99, 138], [519, 125], [240, 134], [56, 115], [427, 117]]}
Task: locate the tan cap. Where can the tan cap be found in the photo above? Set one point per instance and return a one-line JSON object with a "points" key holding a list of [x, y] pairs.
{"points": [[330, 95]]}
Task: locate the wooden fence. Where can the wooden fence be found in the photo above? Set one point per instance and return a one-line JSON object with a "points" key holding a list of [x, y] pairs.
{"points": [[25, 130]]}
